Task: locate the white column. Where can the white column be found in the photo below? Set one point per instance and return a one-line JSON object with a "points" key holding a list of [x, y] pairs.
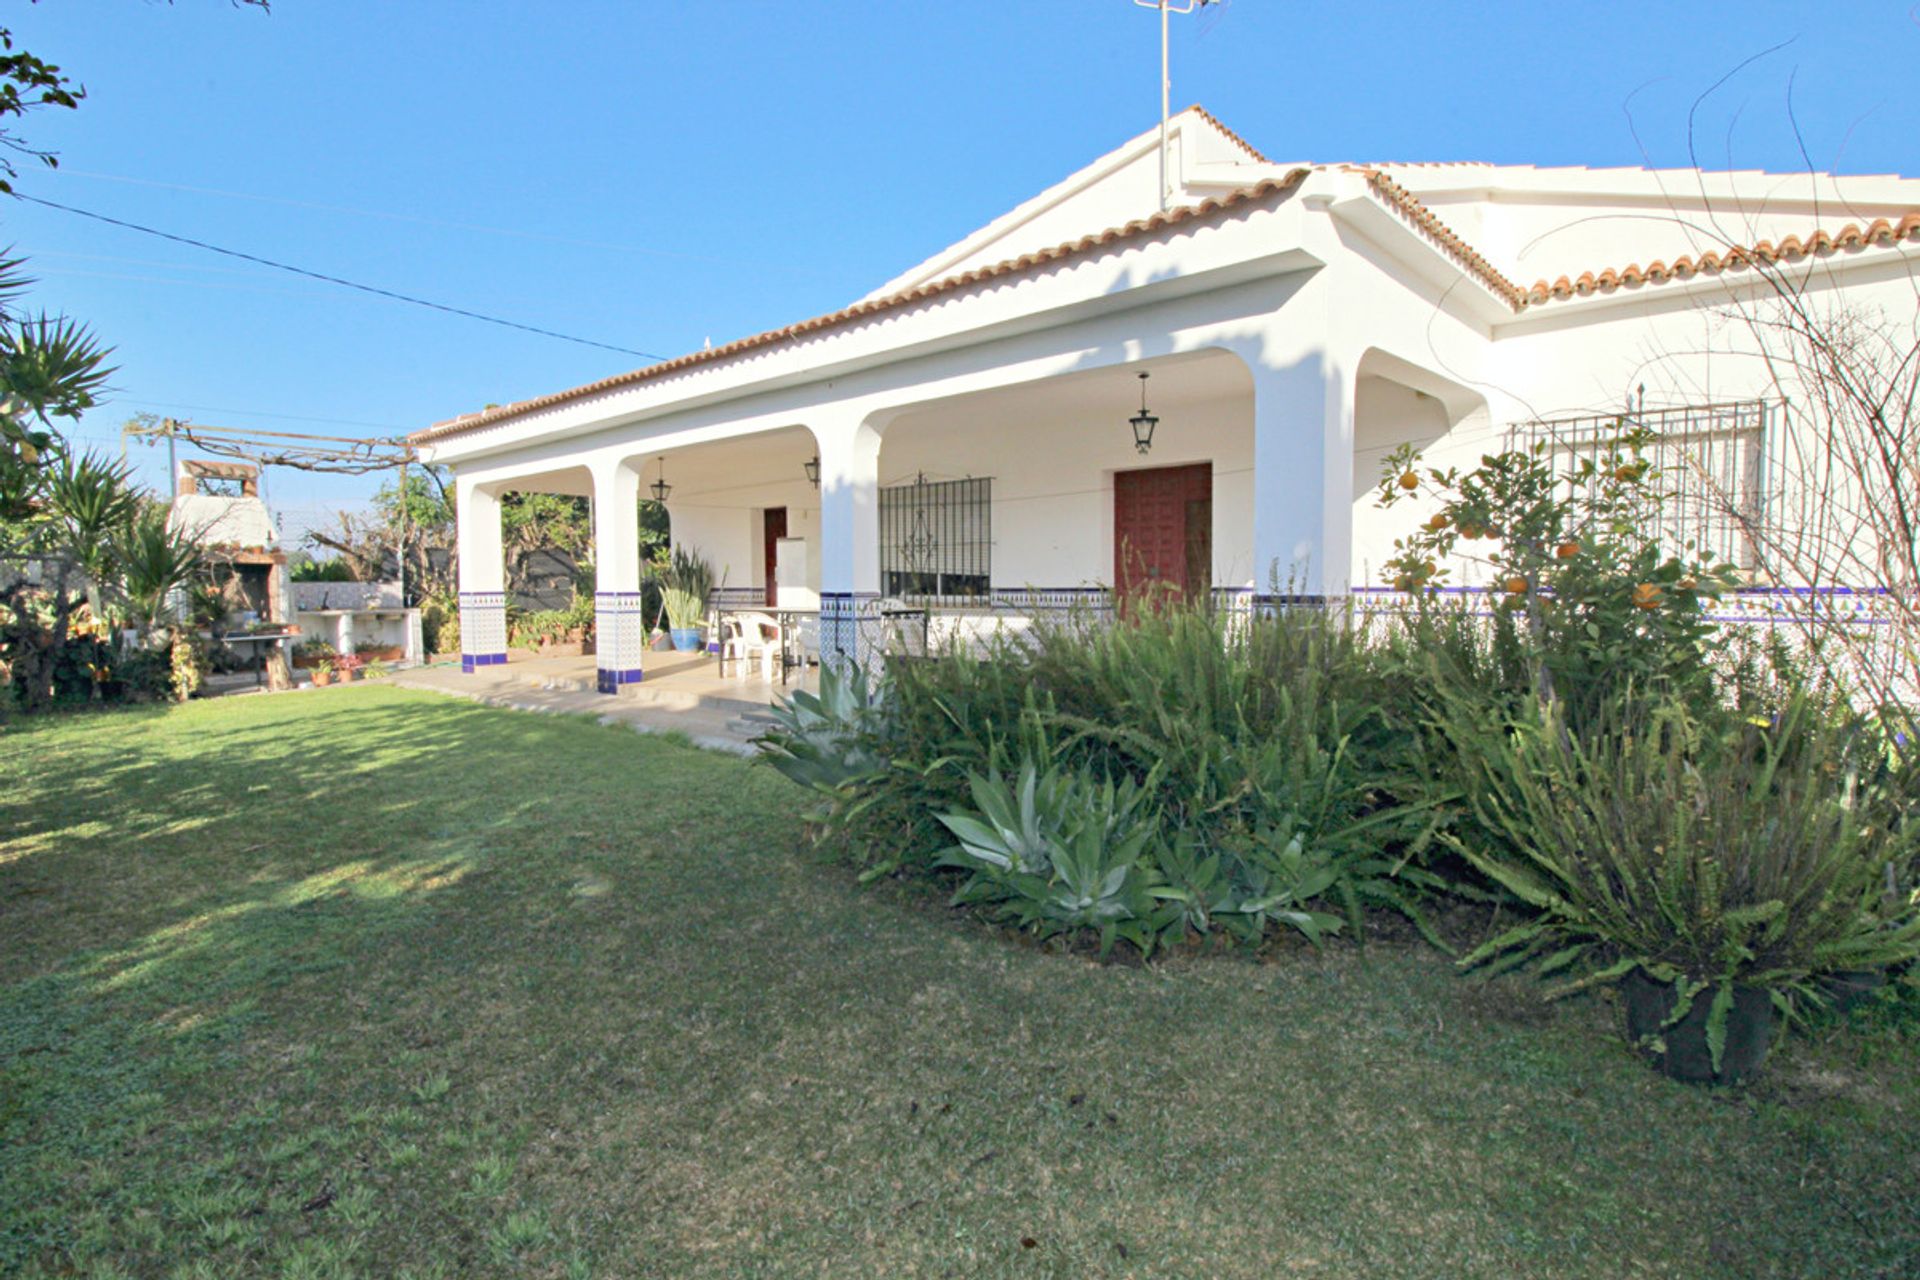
{"points": [[620, 633], [1302, 476], [849, 537], [483, 577]]}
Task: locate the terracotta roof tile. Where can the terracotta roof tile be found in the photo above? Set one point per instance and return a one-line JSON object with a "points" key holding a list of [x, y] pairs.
{"points": [[1210, 118], [861, 310], [1819, 243], [1408, 206]]}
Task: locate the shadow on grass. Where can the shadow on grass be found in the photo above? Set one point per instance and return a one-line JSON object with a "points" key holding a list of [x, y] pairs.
{"points": [[223, 822]]}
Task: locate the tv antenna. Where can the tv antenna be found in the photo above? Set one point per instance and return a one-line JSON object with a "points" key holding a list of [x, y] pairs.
{"points": [[1166, 80]]}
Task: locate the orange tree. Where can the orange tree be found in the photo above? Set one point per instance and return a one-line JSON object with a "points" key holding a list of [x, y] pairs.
{"points": [[1575, 560]]}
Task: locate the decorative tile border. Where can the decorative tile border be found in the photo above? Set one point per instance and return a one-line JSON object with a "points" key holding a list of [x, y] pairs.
{"points": [[1855, 606], [737, 597], [1049, 599], [483, 629], [840, 629], [748, 597], [619, 639]]}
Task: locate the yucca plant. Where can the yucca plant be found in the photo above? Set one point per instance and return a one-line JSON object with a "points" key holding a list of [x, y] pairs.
{"points": [[154, 560], [92, 502], [685, 586], [1660, 848]]}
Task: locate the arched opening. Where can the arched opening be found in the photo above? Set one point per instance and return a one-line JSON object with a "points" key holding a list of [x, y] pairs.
{"points": [[1397, 403]]}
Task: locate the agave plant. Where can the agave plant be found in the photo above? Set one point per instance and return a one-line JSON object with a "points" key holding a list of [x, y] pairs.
{"points": [[825, 741], [1060, 852], [1278, 875]]}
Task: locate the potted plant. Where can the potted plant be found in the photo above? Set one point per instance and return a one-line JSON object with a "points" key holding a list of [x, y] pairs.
{"points": [[346, 665], [1719, 873], [312, 653], [323, 673], [685, 585]]}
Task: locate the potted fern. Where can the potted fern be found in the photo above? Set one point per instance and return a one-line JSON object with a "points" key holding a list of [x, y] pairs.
{"points": [[685, 586], [1721, 875]]}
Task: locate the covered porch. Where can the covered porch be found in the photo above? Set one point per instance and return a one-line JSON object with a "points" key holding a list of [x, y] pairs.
{"points": [[975, 511], [985, 449]]}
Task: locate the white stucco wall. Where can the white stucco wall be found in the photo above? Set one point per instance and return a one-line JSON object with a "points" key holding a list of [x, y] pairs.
{"points": [[223, 522], [1351, 329], [1386, 415], [1053, 466]]}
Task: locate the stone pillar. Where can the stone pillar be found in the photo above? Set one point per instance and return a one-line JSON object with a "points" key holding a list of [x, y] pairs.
{"points": [[1302, 478], [849, 540], [620, 632], [483, 578]]}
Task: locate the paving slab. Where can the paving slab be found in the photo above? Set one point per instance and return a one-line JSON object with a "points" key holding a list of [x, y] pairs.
{"points": [[718, 713]]}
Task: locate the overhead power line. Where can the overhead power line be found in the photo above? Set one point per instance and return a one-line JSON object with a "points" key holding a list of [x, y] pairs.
{"points": [[322, 276]]}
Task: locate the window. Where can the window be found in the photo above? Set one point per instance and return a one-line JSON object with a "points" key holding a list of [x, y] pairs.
{"points": [[936, 540], [1712, 460]]}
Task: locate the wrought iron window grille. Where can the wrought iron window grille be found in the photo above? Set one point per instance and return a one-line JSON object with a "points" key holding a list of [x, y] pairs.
{"points": [[1715, 463], [936, 540]]}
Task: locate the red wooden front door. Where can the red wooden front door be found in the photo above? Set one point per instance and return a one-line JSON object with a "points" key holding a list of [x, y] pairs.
{"points": [[775, 528], [1163, 531]]}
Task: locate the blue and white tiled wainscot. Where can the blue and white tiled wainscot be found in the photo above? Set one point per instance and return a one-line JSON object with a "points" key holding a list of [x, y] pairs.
{"points": [[620, 638], [483, 629]]}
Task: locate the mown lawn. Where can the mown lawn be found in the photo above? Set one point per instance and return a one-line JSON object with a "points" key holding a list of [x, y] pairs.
{"points": [[368, 983]]}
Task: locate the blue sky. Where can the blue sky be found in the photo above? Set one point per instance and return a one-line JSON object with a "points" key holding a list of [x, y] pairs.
{"points": [[650, 174]]}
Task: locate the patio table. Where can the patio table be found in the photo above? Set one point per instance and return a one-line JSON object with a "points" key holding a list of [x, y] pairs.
{"points": [[263, 639]]}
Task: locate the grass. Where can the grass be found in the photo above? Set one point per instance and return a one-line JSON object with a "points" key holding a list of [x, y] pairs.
{"points": [[368, 983]]}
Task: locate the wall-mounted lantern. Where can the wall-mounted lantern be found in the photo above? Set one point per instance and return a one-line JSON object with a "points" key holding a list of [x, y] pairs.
{"points": [[812, 468]]}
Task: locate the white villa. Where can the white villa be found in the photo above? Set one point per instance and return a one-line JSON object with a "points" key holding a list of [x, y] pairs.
{"points": [[969, 420]]}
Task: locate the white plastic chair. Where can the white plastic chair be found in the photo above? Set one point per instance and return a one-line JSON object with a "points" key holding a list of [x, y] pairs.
{"points": [[751, 633]]}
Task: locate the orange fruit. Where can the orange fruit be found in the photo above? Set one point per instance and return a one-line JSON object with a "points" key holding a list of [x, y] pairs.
{"points": [[1408, 480], [1439, 522], [1647, 596], [1567, 550], [1516, 585]]}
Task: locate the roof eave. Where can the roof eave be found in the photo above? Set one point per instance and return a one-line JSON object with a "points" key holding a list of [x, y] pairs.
{"points": [[1104, 240]]}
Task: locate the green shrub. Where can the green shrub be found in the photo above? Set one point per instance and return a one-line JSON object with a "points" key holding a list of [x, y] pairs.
{"points": [[1576, 563], [1259, 746], [538, 625], [1709, 856], [440, 625]]}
